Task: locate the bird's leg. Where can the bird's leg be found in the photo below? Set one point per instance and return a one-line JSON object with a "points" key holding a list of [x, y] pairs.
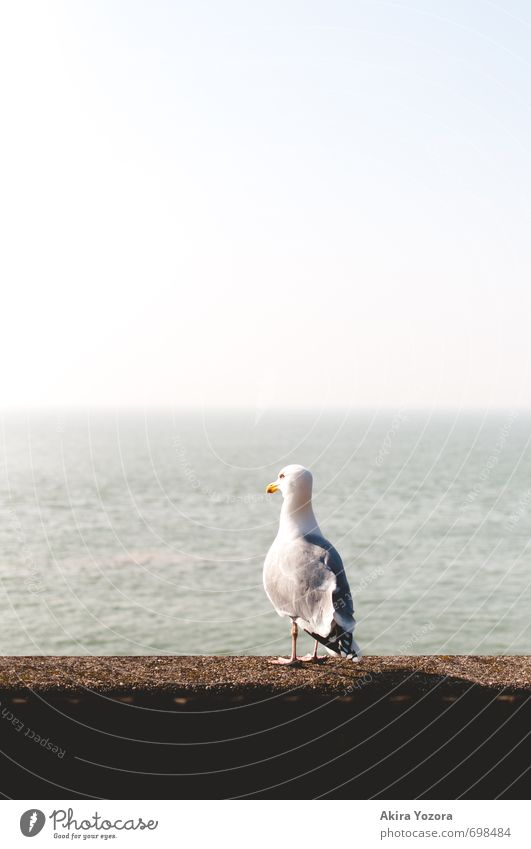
{"points": [[313, 658], [290, 661]]}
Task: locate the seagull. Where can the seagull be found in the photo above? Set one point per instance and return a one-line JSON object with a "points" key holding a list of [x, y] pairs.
{"points": [[304, 577]]}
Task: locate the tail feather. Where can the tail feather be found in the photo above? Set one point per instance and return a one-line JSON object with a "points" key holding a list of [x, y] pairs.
{"points": [[341, 643]]}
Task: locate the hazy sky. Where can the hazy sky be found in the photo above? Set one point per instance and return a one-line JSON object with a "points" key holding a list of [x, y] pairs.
{"points": [[300, 203]]}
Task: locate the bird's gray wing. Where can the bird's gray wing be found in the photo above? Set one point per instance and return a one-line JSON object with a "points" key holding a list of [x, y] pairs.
{"points": [[305, 579], [341, 595]]}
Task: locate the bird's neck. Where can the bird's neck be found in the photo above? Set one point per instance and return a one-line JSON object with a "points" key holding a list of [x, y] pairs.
{"points": [[297, 520]]}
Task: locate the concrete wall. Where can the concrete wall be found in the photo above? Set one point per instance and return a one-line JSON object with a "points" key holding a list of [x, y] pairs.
{"points": [[223, 727]]}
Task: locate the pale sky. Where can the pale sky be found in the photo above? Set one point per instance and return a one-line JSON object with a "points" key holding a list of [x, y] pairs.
{"points": [[277, 203]]}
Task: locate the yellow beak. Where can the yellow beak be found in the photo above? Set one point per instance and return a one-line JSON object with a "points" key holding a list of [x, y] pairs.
{"points": [[272, 487]]}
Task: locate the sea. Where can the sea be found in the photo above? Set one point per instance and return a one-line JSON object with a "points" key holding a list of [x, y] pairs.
{"points": [[144, 532]]}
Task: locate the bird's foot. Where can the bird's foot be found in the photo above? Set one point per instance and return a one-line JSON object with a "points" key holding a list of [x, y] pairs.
{"points": [[286, 661], [313, 658]]}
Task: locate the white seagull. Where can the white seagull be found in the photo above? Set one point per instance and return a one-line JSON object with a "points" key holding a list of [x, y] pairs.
{"points": [[304, 577]]}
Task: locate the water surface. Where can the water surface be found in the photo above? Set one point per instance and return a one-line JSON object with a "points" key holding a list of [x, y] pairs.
{"points": [[137, 533]]}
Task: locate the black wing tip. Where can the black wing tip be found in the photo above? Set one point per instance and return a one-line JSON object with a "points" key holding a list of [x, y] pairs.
{"points": [[342, 645]]}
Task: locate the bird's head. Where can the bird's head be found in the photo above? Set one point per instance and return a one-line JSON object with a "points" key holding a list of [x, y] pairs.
{"points": [[293, 481]]}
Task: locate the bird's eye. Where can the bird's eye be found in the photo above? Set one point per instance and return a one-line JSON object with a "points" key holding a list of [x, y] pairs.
{"points": [[282, 476]]}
